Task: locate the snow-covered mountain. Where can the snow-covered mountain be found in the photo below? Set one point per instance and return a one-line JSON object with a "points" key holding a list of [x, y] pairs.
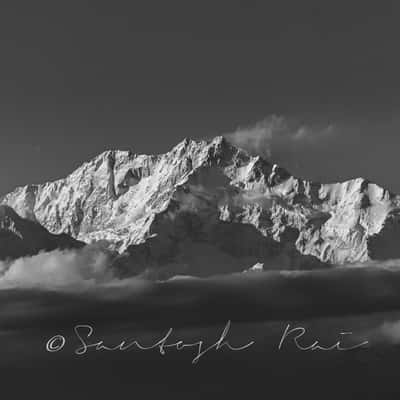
{"points": [[208, 200]]}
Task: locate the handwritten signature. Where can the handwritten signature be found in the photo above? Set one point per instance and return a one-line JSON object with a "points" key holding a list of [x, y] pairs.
{"points": [[85, 334], [296, 333]]}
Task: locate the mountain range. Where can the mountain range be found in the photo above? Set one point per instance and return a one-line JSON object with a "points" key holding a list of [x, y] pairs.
{"points": [[205, 207]]}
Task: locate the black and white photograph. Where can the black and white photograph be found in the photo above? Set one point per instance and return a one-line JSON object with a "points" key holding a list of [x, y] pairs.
{"points": [[199, 200]]}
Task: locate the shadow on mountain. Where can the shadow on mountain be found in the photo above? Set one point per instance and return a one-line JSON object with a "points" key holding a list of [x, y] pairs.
{"points": [[189, 246], [386, 244], [20, 237]]}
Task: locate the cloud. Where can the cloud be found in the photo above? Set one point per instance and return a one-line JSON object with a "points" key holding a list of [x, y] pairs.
{"points": [[275, 134], [65, 286], [362, 300], [89, 265], [388, 332]]}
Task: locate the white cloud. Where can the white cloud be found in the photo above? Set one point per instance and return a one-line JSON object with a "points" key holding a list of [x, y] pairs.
{"points": [[88, 265], [275, 133], [389, 332]]}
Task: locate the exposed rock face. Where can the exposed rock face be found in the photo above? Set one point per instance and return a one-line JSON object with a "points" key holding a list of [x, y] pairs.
{"points": [[21, 237], [206, 199]]}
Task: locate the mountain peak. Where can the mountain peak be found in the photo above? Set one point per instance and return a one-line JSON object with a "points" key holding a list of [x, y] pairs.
{"points": [[202, 189]]}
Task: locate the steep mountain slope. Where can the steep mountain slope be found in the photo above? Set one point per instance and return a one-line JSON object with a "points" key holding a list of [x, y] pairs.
{"points": [[21, 237], [210, 200]]}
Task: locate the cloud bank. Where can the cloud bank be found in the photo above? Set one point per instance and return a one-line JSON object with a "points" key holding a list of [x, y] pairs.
{"points": [[59, 268], [61, 287]]}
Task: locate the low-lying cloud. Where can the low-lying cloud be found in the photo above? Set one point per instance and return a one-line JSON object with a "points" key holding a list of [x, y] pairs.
{"points": [[34, 300], [61, 287], [59, 268], [389, 332]]}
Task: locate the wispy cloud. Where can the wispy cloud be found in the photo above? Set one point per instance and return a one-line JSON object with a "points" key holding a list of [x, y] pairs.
{"points": [[274, 133]]}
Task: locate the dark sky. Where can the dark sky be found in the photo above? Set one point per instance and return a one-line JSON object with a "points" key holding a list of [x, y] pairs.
{"points": [[77, 78]]}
